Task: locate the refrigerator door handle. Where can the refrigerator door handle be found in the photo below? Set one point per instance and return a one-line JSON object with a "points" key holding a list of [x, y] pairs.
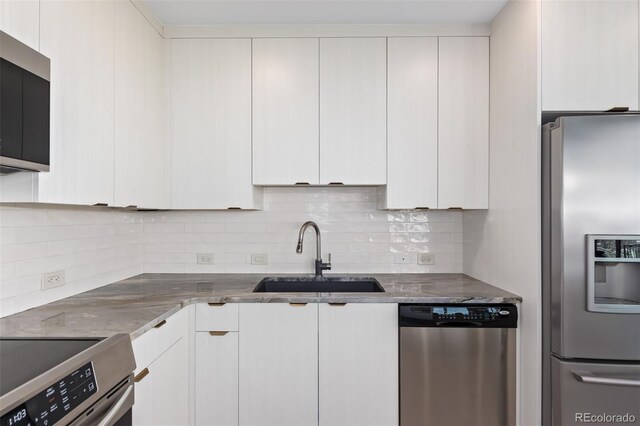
{"points": [[590, 378]]}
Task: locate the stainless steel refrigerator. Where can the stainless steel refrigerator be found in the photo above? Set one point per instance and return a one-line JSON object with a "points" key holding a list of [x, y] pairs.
{"points": [[591, 269]]}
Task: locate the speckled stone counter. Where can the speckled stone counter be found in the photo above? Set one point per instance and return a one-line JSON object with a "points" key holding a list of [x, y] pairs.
{"points": [[137, 304]]}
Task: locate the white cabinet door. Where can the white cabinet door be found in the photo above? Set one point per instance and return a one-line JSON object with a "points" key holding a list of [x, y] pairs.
{"points": [[211, 124], [589, 55], [285, 111], [139, 111], [161, 397], [353, 96], [21, 20], [78, 37], [358, 354], [463, 108], [278, 364], [412, 120], [216, 380]]}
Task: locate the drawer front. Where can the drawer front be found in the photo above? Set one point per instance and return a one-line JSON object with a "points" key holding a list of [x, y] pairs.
{"points": [[581, 391], [148, 347], [217, 317]]}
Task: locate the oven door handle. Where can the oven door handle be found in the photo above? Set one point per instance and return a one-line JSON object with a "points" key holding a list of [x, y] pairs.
{"points": [[108, 418], [589, 378]]}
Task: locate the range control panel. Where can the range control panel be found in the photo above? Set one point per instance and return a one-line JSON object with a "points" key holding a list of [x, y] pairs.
{"points": [[458, 315], [55, 402]]}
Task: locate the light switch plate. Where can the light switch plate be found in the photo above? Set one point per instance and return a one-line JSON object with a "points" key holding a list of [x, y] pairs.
{"points": [[426, 259], [205, 259], [259, 259], [52, 280]]}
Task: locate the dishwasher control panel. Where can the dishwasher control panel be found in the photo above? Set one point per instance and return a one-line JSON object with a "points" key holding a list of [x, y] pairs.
{"points": [[458, 315]]}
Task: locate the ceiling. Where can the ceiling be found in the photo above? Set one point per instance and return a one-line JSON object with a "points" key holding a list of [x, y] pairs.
{"points": [[270, 12]]}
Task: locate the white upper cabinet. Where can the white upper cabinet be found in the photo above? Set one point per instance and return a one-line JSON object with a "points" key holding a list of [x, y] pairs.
{"points": [[21, 20], [285, 111], [412, 170], [211, 124], [463, 122], [358, 355], [139, 111], [278, 364], [589, 55], [78, 37], [353, 97]]}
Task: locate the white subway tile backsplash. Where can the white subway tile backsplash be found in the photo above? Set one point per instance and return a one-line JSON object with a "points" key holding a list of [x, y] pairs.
{"points": [[97, 246]]}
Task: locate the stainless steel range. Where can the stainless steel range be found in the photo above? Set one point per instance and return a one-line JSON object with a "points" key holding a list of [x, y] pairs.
{"points": [[591, 269], [46, 382]]}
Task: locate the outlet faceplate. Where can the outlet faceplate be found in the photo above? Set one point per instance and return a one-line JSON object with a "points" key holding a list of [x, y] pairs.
{"points": [[259, 259], [205, 259], [426, 259], [52, 280]]}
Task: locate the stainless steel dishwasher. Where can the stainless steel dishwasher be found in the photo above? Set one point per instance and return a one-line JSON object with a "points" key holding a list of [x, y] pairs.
{"points": [[457, 365]]}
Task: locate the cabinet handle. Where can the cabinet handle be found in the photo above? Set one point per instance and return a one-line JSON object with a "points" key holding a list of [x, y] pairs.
{"points": [[234, 208], [337, 304], [618, 109], [302, 183], [216, 304], [101, 205], [422, 208], [298, 304], [160, 324], [141, 375], [455, 208], [336, 183], [218, 333]]}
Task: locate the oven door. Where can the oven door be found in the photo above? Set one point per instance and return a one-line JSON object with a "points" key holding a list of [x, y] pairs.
{"points": [[601, 393]]}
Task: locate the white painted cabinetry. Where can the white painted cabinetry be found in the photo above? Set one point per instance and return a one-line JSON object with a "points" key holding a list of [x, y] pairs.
{"points": [[285, 111], [140, 111], [463, 122], [211, 124], [358, 372], [353, 111], [412, 120], [216, 379], [589, 55], [79, 38], [278, 364], [21, 20], [162, 373]]}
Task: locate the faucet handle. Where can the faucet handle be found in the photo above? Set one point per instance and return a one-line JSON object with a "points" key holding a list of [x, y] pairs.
{"points": [[329, 257]]}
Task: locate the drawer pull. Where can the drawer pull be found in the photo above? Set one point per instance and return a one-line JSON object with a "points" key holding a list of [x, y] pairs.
{"points": [[616, 381], [160, 324], [298, 304], [302, 183], [336, 183], [141, 375], [234, 208], [455, 208], [337, 304], [218, 333], [216, 304], [422, 208]]}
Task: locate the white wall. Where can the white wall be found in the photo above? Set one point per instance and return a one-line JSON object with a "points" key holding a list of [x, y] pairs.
{"points": [[94, 246], [359, 237], [502, 245]]}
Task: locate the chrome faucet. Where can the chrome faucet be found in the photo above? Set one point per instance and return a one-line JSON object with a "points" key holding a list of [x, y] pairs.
{"points": [[319, 265]]}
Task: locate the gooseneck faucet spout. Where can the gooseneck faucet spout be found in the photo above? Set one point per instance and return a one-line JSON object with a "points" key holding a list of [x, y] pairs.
{"points": [[320, 266]]}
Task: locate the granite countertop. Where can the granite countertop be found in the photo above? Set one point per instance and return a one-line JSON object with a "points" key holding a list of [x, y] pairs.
{"points": [[136, 304]]}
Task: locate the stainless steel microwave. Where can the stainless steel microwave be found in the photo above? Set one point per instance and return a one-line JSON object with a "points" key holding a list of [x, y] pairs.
{"points": [[24, 107]]}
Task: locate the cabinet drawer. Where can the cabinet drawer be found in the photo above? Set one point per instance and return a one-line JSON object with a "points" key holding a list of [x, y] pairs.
{"points": [[148, 347], [217, 317]]}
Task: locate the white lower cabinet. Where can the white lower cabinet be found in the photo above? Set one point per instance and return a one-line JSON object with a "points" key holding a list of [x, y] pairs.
{"points": [[358, 370], [161, 396], [278, 364], [216, 380]]}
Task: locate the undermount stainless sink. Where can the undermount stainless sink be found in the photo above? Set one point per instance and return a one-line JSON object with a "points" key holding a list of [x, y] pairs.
{"points": [[318, 285]]}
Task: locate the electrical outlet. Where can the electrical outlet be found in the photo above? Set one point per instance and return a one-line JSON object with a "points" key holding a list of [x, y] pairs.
{"points": [[426, 259], [404, 258], [259, 259], [52, 280], [54, 322], [205, 259]]}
